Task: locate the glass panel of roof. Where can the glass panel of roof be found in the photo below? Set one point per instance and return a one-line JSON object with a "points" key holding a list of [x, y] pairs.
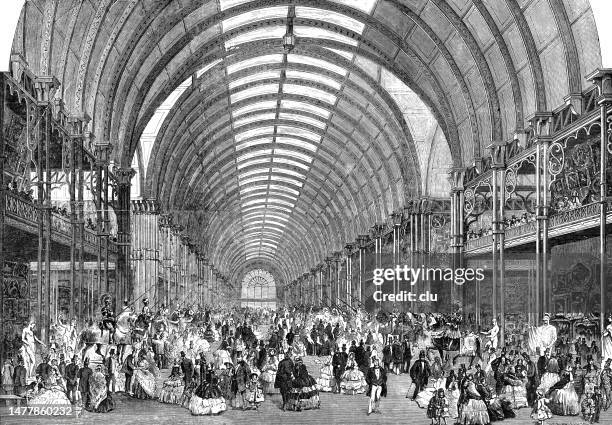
{"points": [[306, 107], [256, 61], [309, 76], [254, 16], [226, 4], [295, 142], [310, 92], [330, 16], [320, 33], [277, 217], [254, 118], [276, 223], [348, 55], [289, 162], [284, 189], [252, 162], [253, 132], [273, 73], [274, 208], [294, 154], [254, 142], [277, 178], [253, 154], [364, 5], [257, 106], [253, 222], [245, 190], [299, 132], [260, 195], [244, 182], [269, 245], [207, 67], [254, 91], [290, 172], [264, 33], [307, 60], [252, 172], [274, 200], [302, 118]]}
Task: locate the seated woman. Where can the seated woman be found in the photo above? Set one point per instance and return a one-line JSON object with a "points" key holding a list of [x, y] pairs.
{"points": [[563, 396], [254, 392], [172, 388], [101, 400], [50, 392], [514, 388], [207, 399], [473, 408], [353, 380], [304, 394], [144, 379], [269, 373], [325, 381]]}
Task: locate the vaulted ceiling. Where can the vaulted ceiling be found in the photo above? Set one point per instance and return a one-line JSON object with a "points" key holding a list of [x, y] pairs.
{"points": [[280, 130]]}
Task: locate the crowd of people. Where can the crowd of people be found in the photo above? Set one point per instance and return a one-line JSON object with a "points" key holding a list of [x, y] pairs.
{"points": [[238, 358]]}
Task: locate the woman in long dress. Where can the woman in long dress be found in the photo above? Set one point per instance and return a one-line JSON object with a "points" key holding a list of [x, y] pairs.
{"points": [[325, 381], [353, 380], [514, 388], [474, 410], [207, 399], [268, 375], [563, 396], [606, 343], [101, 400], [304, 394], [172, 388], [144, 380], [551, 377], [52, 393]]}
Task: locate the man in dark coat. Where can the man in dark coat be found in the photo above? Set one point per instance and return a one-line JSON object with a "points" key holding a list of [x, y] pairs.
{"points": [[187, 369], [314, 336], [532, 379], [419, 373], [19, 378], [407, 354], [376, 378], [339, 360], [71, 377], [329, 331], [543, 362], [290, 336], [129, 371], [84, 375], [284, 375]]}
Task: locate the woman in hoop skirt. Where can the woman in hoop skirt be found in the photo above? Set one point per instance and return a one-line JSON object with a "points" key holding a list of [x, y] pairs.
{"points": [[173, 387], [207, 398], [563, 397], [304, 394]]}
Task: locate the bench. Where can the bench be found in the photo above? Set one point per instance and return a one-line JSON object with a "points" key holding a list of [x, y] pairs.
{"points": [[8, 397]]}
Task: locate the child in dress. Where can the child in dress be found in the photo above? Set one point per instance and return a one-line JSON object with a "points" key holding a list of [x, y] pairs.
{"points": [[437, 409], [587, 406], [254, 392], [541, 412]]}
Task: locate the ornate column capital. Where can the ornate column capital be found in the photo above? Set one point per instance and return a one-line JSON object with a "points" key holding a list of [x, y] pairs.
{"points": [[363, 240], [541, 124], [456, 177], [77, 124], [45, 87], [124, 175], [348, 249], [498, 151], [102, 150], [602, 78]]}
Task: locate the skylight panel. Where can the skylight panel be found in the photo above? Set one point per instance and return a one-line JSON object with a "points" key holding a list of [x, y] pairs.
{"points": [[284, 189], [290, 162], [348, 55], [307, 60], [226, 4], [320, 33], [309, 76], [254, 132], [310, 92], [256, 195], [255, 179], [254, 16], [202, 71], [299, 132], [256, 61], [295, 142], [264, 33], [306, 107], [277, 178], [255, 77], [277, 217], [252, 162], [276, 223], [274, 200], [245, 174], [254, 91], [273, 246], [254, 154], [254, 142], [257, 106], [294, 154], [273, 208], [330, 16], [366, 6], [290, 172], [244, 190], [254, 118]]}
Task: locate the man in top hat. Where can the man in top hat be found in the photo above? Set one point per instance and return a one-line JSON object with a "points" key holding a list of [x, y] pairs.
{"points": [[284, 376], [376, 378], [339, 360], [419, 373]]}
